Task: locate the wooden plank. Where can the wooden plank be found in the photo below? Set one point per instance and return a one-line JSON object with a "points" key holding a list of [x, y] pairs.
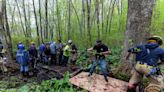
{"points": [[96, 83]]}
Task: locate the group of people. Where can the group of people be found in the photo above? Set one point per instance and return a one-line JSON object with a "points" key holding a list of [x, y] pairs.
{"points": [[147, 59], [50, 53]]}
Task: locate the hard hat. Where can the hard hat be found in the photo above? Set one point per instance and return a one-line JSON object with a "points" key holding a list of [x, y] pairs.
{"points": [[98, 41], [157, 38], [32, 42], [69, 41], [21, 46]]}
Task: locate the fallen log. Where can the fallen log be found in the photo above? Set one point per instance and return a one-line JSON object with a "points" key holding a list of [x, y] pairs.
{"points": [[50, 69], [76, 72]]}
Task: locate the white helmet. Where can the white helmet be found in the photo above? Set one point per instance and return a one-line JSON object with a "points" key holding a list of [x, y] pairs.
{"points": [[69, 41]]}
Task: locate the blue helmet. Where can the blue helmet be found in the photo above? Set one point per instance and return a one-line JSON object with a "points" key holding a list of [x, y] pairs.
{"points": [[21, 46], [42, 47]]}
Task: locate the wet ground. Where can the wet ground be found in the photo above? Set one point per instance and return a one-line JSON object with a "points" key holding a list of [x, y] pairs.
{"points": [[42, 72]]}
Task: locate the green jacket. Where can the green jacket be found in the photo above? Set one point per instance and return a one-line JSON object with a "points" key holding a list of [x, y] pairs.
{"points": [[67, 51]]}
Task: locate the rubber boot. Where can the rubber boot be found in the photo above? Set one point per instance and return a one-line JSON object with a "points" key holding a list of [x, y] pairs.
{"points": [[106, 79], [26, 76], [89, 74], [131, 90], [21, 75]]}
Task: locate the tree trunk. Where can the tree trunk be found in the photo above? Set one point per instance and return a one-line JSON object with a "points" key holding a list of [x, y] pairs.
{"points": [[138, 25], [102, 14], [46, 19], [40, 20], [69, 18], [26, 24], [58, 18], [23, 29], [89, 20], [111, 16], [108, 15], [36, 23], [83, 16], [78, 19], [98, 20], [119, 13], [5, 30]]}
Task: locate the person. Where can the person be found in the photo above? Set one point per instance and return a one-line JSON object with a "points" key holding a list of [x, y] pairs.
{"points": [[67, 53], [53, 50], [147, 57], [59, 47], [74, 54], [41, 52], [22, 57], [101, 50], [1, 49], [19, 43], [33, 54], [3, 62], [47, 52]]}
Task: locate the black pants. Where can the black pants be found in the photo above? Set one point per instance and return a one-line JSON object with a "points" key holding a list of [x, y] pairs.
{"points": [[60, 58], [1, 55], [65, 60], [33, 62], [53, 58]]}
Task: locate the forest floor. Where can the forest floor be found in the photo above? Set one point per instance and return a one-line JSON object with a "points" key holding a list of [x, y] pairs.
{"points": [[12, 79]]}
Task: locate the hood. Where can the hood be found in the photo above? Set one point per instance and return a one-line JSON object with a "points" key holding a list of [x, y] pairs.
{"points": [[152, 45]]}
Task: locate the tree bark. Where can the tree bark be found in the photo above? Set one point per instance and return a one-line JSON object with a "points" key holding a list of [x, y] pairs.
{"points": [[5, 30], [89, 20], [40, 20], [83, 16], [23, 29], [26, 24], [111, 16], [69, 18], [102, 14], [138, 25], [58, 18], [108, 15], [46, 19], [78, 19], [36, 23], [98, 20]]}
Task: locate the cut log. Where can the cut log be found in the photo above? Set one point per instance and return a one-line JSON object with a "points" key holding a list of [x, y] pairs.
{"points": [[76, 72], [96, 83], [51, 69]]}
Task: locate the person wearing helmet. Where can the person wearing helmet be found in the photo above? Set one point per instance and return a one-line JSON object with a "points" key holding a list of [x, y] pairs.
{"points": [[33, 54], [101, 51], [41, 52], [19, 44], [59, 47], [67, 53], [22, 57], [53, 51], [147, 57]]}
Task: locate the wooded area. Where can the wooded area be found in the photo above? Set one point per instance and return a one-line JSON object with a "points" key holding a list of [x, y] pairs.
{"points": [[119, 24]]}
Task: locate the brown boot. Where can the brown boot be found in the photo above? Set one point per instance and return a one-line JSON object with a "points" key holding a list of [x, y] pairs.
{"points": [[21, 75]]}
